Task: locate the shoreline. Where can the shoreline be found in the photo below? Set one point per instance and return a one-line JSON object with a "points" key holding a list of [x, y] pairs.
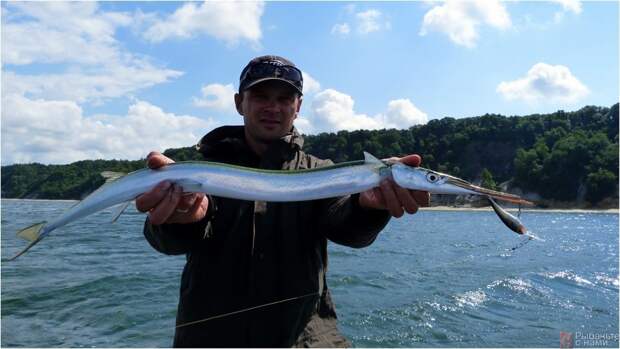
{"points": [[513, 209], [438, 208], [42, 200]]}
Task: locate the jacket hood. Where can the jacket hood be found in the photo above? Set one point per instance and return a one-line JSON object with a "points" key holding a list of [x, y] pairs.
{"points": [[230, 141]]}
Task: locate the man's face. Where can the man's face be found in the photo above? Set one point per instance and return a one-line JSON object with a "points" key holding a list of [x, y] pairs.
{"points": [[269, 109]]}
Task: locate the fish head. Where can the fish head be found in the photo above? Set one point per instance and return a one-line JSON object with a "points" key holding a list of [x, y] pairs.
{"points": [[419, 178]]}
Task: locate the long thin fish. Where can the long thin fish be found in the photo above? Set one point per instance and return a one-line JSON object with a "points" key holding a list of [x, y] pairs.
{"points": [[261, 185]]}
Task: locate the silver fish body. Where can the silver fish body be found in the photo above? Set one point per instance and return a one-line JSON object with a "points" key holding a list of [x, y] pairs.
{"points": [[260, 185], [234, 182]]}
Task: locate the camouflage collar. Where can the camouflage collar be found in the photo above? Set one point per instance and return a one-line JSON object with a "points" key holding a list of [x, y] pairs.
{"points": [[230, 140]]}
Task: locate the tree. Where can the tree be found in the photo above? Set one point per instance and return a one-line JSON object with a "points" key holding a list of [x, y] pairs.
{"points": [[600, 184], [487, 180], [553, 154]]}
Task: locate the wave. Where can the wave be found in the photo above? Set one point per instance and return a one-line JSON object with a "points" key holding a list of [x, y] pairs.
{"points": [[567, 275], [471, 298], [606, 280], [514, 284]]}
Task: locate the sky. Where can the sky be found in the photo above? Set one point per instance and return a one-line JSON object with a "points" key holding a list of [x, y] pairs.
{"points": [[116, 80]]}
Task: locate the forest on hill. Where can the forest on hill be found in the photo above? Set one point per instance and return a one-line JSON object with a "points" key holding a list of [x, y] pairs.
{"points": [[562, 156]]}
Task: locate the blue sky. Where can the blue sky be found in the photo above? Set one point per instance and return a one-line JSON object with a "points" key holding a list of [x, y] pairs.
{"points": [[119, 79]]}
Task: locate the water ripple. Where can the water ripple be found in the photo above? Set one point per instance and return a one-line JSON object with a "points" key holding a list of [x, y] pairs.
{"points": [[435, 279]]}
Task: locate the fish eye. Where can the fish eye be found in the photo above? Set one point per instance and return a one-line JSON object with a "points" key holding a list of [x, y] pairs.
{"points": [[432, 177]]}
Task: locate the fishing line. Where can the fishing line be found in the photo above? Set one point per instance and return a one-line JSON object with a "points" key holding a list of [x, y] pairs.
{"points": [[522, 243], [528, 234], [244, 310]]}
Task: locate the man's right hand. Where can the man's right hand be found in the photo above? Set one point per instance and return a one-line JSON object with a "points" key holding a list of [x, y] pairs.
{"points": [[166, 203]]}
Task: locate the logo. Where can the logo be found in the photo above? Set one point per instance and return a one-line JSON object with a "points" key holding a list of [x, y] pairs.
{"points": [[567, 340]]}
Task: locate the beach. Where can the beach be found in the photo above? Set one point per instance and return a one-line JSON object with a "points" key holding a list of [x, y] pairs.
{"points": [[513, 209]]}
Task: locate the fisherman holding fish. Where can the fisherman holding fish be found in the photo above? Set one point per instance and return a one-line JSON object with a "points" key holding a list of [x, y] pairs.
{"points": [[254, 221], [255, 271]]}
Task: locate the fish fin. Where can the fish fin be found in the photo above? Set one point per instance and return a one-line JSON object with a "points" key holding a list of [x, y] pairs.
{"points": [[32, 232], [111, 175], [119, 210], [371, 159], [189, 185]]}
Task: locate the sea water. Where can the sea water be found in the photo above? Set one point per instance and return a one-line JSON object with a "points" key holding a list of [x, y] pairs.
{"points": [[434, 279]]}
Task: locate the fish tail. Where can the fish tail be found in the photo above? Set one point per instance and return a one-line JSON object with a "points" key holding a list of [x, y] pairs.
{"points": [[32, 234]]}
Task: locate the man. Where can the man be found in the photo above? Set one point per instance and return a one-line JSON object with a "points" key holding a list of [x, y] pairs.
{"points": [[255, 271]]}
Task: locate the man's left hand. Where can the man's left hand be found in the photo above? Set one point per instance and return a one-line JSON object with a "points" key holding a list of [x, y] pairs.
{"points": [[389, 196]]}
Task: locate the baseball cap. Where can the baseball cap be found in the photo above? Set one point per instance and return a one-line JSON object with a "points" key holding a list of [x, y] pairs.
{"points": [[270, 67]]}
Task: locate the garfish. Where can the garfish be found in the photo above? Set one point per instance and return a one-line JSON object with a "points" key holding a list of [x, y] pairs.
{"points": [[252, 184]]}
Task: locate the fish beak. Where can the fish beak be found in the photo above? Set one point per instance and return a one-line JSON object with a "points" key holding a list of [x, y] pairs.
{"points": [[488, 192]]}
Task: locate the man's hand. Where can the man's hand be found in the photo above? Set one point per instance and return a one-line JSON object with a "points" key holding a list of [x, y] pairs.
{"points": [[389, 196], [166, 203]]}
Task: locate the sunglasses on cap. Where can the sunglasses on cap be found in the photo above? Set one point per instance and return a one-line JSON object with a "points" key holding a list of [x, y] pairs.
{"points": [[271, 70]]}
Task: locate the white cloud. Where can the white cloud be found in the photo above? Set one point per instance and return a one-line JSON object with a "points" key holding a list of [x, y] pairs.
{"points": [[217, 96], [82, 44], [545, 83], [28, 43], [56, 131], [401, 113], [371, 21], [531, 21], [333, 111], [42, 115], [84, 87], [229, 21], [310, 84], [79, 17], [460, 20], [573, 6], [368, 21], [570, 5], [341, 29], [303, 125], [84, 35]]}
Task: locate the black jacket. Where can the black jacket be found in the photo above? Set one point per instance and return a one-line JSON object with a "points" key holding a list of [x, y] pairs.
{"points": [[245, 254]]}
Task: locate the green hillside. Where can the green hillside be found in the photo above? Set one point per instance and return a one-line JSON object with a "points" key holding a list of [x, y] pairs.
{"points": [[563, 156]]}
